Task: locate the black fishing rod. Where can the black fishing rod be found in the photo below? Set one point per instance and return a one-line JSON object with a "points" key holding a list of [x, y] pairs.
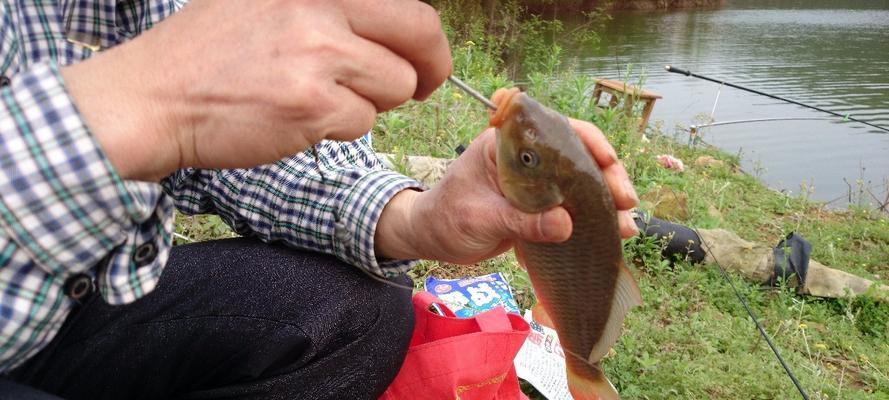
{"points": [[844, 117]]}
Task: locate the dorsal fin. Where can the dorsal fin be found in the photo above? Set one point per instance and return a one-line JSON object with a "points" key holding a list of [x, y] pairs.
{"points": [[626, 296]]}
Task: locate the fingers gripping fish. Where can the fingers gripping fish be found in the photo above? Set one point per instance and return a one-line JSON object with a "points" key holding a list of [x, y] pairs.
{"points": [[582, 285]]}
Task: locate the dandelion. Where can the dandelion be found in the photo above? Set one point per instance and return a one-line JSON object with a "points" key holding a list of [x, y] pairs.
{"points": [[803, 326], [456, 95], [469, 43], [820, 346]]}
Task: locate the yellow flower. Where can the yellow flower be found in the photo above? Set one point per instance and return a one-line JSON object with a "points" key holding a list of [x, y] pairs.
{"points": [[863, 358], [470, 43], [803, 326], [820, 346], [456, 95]]}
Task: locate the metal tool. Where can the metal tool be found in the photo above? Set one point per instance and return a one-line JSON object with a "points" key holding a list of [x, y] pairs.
{"points": [[472, 92]]}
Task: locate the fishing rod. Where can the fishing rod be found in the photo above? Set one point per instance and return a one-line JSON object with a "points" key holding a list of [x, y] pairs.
{"points": [[729, 84]]}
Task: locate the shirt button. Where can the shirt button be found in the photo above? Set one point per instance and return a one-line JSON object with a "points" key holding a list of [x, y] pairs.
{"points": [[145, 254], [79, 286]]}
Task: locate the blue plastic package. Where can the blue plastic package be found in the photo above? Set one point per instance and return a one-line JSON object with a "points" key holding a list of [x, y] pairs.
{"points": [[467, 297]]}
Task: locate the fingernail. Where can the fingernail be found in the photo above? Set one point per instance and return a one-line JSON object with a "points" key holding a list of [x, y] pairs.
{"points": [[613, 155], [631, 191]]}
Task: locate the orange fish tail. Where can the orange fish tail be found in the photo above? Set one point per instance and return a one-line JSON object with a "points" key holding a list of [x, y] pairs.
{"points": [[587, 382]]}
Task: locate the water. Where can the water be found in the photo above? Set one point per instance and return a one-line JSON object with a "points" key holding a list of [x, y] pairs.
{"points": [[834, 58]]}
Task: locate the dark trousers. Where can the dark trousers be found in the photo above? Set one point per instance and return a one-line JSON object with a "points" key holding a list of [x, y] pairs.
{"points": [[231, 319]]}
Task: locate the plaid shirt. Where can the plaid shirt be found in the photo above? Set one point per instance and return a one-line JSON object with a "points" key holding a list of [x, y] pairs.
{"points": [[64, 211]]}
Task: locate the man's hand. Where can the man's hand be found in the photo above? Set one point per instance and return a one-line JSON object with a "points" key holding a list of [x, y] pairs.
{"points": [[465, 218], [239, 83]]}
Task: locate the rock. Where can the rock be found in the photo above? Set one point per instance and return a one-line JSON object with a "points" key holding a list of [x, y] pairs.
{"points": [[668, 204], [428, 170], [708, 162]]}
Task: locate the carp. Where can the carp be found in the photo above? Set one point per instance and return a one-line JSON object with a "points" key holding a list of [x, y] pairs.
{"points": [[583, 288]]}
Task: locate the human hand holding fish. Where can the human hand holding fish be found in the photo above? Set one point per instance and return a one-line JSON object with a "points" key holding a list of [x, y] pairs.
{"points": [[555, 191], [465, 218]]}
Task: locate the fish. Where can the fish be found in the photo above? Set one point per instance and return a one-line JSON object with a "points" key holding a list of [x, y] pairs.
{"points": [[583, 287]]}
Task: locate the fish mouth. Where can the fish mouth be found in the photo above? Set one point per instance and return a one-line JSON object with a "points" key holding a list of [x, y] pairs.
{"points": [[504, 100]]}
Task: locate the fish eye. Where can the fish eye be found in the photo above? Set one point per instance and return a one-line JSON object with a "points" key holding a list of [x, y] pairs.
{"points": [[529, 158]]}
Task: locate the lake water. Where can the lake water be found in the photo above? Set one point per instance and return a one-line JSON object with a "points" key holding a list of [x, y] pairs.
{"points": [[830, 54]]}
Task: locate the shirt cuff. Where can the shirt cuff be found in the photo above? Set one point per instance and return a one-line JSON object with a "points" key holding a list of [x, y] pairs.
{"points": [[356, 221], [60, 198]]}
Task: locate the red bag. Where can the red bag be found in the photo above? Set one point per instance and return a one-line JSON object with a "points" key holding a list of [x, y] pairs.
{"points": [[460, 358]]}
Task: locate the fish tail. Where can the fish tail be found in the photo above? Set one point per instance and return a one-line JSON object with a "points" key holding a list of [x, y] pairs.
{"points": [[587, 382]]}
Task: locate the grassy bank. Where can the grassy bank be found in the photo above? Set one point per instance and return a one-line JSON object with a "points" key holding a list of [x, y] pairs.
{"points": [[691, 339]]}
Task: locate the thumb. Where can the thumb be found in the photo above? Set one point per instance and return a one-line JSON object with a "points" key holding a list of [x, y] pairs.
{"points": [[553, 225]]}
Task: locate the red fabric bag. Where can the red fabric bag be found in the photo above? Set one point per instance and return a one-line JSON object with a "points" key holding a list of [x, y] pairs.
{"points": [[460, 358]]}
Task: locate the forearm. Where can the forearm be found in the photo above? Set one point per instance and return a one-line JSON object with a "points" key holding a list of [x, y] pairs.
{"points": [[126, 108], [396, 236]]}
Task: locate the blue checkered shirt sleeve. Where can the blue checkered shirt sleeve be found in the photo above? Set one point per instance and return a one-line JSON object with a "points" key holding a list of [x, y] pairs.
{"points": [[331, 206], [64, 211]]}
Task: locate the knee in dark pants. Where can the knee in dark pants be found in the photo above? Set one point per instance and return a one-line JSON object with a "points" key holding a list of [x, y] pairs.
{"points": [[369, 354], [235, 319], [351, 331]]}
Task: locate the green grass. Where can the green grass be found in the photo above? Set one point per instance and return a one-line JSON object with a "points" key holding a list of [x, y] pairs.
{"points": [[691, 339]]}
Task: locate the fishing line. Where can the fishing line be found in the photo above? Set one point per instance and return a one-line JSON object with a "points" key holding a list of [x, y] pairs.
{"points": [[762, 331], [845, 117]]}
